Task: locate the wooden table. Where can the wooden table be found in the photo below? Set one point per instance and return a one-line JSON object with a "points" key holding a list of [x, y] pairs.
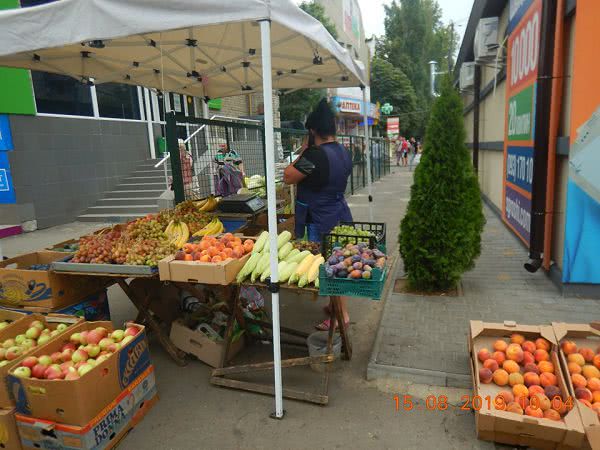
{"points": [[223, 376], [142, 304]]}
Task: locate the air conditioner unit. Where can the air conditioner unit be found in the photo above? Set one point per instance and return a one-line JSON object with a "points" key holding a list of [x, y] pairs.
{"points": [[486, 39], [467, 75]]}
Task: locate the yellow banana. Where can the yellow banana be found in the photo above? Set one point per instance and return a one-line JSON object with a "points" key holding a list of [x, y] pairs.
{"points": [[201, 203], [169, 229], [211, 228], [210, 205], [185, 235]]}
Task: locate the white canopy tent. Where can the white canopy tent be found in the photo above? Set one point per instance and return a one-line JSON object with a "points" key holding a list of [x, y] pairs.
{"points": [[204, 48]]}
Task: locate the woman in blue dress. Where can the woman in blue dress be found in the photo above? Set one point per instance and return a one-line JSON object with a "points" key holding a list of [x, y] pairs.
{"points": [[321, 173]]}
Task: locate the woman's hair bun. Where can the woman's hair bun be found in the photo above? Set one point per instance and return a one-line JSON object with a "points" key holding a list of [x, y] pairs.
{"points": [[322, 119]]}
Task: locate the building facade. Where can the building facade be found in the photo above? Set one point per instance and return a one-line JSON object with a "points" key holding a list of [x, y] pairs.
{"points": [[530, 106]]}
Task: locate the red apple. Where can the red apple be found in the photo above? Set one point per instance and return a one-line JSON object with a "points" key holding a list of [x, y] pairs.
{"points": [[33, 333], [85, 368], [56, 357], [113, 348], [105, 343], [53, 372], [64, 366], [38, 371], [66, 354], [45, 360], [22, 372], [131, 331], [30, 361], [92, 350], [117, 335], [84, 335], [102, 331], [13, 353], [79, 356], [75, 338], [93, 337], [69, 345], [72, 374], [44, 339], [37, 324]]}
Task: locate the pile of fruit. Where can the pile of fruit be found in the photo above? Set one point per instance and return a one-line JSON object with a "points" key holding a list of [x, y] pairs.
{"points": [[36, 334], [212, 249], [294, 266], [141, 242], [524, 368], [342, 231], [195, 214], [355, 261], [313, 247], [82, 353], [584, 369]]}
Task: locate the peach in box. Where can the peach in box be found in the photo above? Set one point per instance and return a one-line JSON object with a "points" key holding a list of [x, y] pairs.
{"points": [[511, 426], [222, 273], [78, 401], [573, 337]]}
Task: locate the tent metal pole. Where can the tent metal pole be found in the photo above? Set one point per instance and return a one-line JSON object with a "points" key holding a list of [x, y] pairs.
{"points": [[368, 152], [265, 39]]}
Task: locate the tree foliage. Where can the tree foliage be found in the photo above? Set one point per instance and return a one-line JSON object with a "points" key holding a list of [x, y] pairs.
{"points": [[390, 85], [298, 104], [440, 236], [415, 35]]}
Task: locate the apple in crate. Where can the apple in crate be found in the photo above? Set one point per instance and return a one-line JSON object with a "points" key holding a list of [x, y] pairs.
{"points": [[72, 374], [30, 361], [92, 350], [13, 353], [44, 339], [79, 356], [53, 372], [22, 372], [83, 369], [38, 371], [9, 343], [117, 335], [62, 326], [33, 333], [45, 360], [38, 324], [28, 344], [131, 331], [56, 357]]}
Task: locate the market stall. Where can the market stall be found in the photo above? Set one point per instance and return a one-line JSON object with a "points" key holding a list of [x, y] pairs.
{"points": [[245, 47]]}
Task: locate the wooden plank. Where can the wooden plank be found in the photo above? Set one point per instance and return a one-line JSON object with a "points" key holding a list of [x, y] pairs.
{"points": [[294, 362], [290, 331], [270, 390], [233, 303], [346, 344]]}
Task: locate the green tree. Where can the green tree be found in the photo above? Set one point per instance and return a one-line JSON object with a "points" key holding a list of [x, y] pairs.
{"points": [[390, 85], [415, 35], [296, 105], [440, 235]]}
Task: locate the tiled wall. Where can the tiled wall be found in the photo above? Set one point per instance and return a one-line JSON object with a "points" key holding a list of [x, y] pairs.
{"points": [[61, 165]]}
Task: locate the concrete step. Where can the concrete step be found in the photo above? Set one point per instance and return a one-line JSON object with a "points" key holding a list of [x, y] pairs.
{"points": [[141, 186], [150, 172], [143, 179], [137, 193], [109, 218], [150, 201], [118, 209]]}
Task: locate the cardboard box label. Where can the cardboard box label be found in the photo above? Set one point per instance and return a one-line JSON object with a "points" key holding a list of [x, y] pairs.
{"points": [[133, 362], [120, 415]]}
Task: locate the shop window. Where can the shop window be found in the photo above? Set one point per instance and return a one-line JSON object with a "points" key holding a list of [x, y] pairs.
{"points": [[119, 101], [59, 94]]}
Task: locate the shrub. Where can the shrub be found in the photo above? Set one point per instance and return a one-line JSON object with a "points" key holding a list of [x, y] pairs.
{"points": [[440, 236]]}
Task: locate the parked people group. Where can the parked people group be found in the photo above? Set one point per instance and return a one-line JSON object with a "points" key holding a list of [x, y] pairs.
{"points": [[405, 148]]}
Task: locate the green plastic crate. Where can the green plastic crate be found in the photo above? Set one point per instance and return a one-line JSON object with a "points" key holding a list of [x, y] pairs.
{"points": [[347, 287]]}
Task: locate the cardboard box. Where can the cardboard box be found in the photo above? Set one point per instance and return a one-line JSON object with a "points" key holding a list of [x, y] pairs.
{"points": [[20, 287], [223, 273], [513, 429], [9, 436], [285, 222], [583, 335], [76, 402], [198, 344], [105, 431], [20, 327], [92, 308]]}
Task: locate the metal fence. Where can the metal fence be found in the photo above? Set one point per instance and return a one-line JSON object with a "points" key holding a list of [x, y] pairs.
{"points": [[215, 149]]}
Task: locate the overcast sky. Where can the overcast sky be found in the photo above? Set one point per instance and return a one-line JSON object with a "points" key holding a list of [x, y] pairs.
{"points": [[454, 10]]}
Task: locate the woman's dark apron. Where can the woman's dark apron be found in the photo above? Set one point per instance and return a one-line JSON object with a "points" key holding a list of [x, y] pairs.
{"points": [[322, 210]]}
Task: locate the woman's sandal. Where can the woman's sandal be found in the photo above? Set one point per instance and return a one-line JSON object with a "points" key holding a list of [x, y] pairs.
{"points": [[324, 326]]}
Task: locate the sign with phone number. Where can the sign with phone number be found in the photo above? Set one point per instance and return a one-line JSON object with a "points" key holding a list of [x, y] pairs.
{"points": [[519, 138]]}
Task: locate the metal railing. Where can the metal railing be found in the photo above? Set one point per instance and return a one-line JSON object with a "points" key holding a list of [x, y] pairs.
{"points": [[196, 174]]}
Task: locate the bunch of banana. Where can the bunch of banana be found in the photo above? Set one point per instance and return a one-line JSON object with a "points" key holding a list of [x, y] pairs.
{"points": [[214, 227], [208, 204], [178, 233]]}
